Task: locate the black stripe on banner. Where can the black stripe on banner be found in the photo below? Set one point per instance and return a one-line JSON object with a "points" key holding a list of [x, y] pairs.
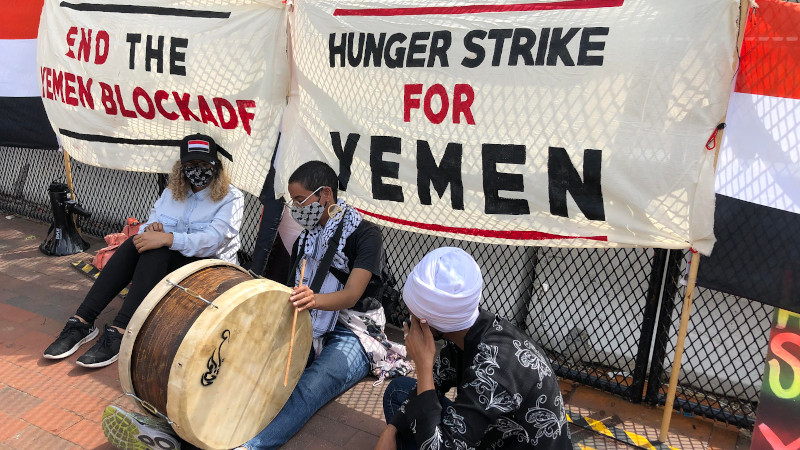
{"points": [[757, 253], [152, 10], [23, 123], [114, 140]]}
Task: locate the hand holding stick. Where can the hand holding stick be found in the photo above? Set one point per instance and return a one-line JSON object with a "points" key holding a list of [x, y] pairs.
{"points": [[294, 323]]}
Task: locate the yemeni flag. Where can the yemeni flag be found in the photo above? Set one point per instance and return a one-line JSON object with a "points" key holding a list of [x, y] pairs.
{"points": [[23, 122], [757, 217]]}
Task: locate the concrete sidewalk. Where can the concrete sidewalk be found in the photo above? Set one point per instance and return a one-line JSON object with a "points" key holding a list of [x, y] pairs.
{"points": [[58, 405]]}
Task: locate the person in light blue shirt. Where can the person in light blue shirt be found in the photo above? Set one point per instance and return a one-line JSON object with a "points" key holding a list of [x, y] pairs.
{"points": [[197, 216]]}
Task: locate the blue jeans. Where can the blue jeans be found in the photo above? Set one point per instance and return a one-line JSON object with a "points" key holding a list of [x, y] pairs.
{"points": [[393, 397], [342, 364]]}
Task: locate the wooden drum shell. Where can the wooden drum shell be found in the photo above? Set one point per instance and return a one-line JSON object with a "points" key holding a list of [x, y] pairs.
{"points": [[217, 373]]}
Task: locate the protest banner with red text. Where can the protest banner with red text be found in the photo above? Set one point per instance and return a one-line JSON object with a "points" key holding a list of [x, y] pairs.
{"points": [[556, 123], [122, 84]]}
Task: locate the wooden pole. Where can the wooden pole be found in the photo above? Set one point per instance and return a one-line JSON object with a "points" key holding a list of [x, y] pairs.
{"points": [[744, 8], [68, 172], [294, 323], [676, 365]]}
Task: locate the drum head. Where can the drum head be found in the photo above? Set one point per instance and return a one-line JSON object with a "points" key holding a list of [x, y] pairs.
{"points": [[226, 381]]}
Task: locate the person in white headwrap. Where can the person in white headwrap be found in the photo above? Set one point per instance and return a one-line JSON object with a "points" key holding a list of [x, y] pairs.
{"points": [[507, 393]]}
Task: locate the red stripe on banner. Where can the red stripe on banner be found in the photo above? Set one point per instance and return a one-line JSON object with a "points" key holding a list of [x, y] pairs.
{"points": [[498, 234], [474, 9], [20, 19], [770, 63]]}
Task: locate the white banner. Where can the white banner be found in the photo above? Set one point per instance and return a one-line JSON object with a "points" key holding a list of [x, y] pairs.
{"points": [[576, 123], [122, 84]]}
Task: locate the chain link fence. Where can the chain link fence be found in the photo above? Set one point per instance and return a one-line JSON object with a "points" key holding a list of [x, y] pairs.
{"points": [[607, 317]]}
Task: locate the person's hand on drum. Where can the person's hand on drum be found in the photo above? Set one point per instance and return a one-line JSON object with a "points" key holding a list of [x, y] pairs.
{"points": [[303, 298], [155, 226], [150, 240]]}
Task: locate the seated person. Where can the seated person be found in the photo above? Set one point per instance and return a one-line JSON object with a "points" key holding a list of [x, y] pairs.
{"points": [[507, 394], [197, 216], [338, 359]]}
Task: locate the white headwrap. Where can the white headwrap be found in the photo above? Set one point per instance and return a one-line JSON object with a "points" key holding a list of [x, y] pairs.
{"points": [[445, 289]]}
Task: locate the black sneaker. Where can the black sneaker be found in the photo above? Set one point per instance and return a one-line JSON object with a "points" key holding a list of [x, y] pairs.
{"points": [[105, 351], [74, 334]]}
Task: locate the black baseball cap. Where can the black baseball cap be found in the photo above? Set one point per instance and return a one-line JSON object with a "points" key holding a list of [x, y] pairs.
{"points": [[201, 147]]}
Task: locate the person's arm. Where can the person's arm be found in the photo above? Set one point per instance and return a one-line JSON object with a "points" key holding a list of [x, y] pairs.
{"points": [[151, 234], [388, 439], [367, 261], [153, 217], [224, 227], [480, 401], [444, 378], [304, 298]]}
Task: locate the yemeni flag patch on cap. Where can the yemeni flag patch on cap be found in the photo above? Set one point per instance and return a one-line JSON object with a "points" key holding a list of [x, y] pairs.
{"points": [[198, 146]]}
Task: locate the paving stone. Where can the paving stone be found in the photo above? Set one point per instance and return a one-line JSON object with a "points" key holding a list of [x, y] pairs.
{"points": [[50, 417], [305, 441], [10, 312], [19, 377], [86, 434], [72, 399], [362, 441], [329, 430], [353, 418], [34, 438], [98, 385], [9, 426]]}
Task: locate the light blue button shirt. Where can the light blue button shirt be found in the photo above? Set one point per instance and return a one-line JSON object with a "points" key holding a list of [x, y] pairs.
{"points": [[200, 226]]}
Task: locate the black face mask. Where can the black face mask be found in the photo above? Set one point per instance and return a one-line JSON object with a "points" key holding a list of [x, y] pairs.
{"points": [[199, 177]]}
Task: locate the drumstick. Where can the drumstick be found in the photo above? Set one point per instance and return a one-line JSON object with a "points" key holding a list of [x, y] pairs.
{"points": [[294, 323]]}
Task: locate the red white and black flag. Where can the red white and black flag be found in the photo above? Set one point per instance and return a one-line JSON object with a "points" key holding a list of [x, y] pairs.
{"points": [[23, 122], [757, 218]]}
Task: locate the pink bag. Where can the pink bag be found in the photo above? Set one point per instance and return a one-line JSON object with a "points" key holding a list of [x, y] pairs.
{"points": [[114, 240]]}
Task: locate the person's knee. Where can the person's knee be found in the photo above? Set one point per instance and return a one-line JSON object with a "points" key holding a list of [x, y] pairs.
{"points": [[156, 254], [398, 390]]}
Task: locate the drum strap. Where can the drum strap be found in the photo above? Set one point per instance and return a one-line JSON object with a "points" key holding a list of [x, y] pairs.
{"points": [[324, 264]]}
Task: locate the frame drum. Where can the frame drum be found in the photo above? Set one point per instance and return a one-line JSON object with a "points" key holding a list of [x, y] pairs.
{"points": [[215, 371]]}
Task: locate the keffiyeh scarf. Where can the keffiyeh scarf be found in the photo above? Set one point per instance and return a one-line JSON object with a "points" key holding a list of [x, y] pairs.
{"points": [[314, 245]]}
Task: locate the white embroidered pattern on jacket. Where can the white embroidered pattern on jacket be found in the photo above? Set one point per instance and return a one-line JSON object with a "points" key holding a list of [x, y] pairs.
{"points": [[443, 371], [531, 358], [496, 323], [461, 445], [434, 442], [509, 428], [452, 419], [484, 363], [547, 422]]}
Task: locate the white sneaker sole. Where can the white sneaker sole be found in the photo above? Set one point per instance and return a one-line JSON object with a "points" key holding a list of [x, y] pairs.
{"points": [[125, 432], [99, 364], [74, 349]]}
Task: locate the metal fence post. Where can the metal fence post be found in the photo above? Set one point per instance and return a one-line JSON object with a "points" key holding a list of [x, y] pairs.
{"points": [[636, 390], [669, 291]]}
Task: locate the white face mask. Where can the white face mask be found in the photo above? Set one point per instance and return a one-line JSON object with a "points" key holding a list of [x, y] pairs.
{"points": [[307, 216]]}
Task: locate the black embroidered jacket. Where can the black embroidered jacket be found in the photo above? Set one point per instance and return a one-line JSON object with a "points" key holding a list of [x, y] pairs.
{"points": [[507, 395]]}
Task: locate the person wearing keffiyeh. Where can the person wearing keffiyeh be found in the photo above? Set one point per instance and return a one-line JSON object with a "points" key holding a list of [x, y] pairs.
{"points": [[345, 300]]}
